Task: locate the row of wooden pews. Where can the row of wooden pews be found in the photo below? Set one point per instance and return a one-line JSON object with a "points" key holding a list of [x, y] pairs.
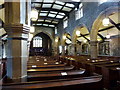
{"points": [[53, 73], [109, 68], [2, 68]]}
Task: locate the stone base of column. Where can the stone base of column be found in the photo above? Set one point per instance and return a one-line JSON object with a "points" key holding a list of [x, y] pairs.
{"points": [[93, 48], [17, 68]]}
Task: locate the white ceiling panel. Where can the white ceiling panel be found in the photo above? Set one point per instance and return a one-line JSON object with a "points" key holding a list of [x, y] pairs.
{"points": [[57, 6]]}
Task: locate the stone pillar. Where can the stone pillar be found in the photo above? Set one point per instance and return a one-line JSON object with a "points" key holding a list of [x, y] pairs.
{"points": [[63, 50], [56, 50], [93, 49], [17, 52], [73, 49], [17, 30]]}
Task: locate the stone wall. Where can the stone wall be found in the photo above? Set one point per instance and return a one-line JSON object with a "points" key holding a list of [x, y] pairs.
{"points": [[115, 46], [91, 11]]}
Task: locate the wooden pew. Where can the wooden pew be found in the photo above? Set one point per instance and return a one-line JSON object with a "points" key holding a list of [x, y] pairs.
{"points": [[87, 83], [56, 75], [51, 69], [96, 66], [110, 76], [33, 66]]}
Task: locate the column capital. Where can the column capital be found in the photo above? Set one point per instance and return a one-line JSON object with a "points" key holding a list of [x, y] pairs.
{"points": [[16, 28]]}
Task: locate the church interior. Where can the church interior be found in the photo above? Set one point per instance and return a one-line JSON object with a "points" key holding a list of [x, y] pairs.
{"points": [[60, 44]]}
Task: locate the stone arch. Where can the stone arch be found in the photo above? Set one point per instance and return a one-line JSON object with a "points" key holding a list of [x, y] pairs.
{"points": [[78, 46], [62, 39], [81, 26], [63, 43], [96, 26]]}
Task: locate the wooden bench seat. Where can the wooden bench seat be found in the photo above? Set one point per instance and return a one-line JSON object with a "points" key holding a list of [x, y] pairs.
{"points": [[34, 62], [45, 66], [98, 68], [56, 75], [51, 69], [110, 75], [87, 83]]}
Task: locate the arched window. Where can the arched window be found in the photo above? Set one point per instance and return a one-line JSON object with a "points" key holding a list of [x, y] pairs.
{"points": [[37, 41]]}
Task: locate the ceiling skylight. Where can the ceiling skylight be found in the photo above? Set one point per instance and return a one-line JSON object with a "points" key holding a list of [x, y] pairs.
{"points": [[45, 24], [76, 0], [54, 22], [47, 20], [57, 6], [51, 26], [48, 1], [37, 5], [52, 15], [53, 12], [47, 5], [66, 9], [39, 24], [59, 16], [40, 20], [43, 14], [59, 2], [44, 11], [61, 13], [69, 5]]}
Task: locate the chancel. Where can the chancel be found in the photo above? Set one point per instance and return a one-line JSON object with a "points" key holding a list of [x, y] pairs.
{"points": [[60, 44]]}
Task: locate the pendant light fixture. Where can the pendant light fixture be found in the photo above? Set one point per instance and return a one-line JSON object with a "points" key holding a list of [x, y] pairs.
{"points": [[34, 14], [107, 36], [105, 21], [78, 32]]}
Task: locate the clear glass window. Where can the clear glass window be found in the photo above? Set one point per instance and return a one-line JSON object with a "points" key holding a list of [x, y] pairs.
{"points": [[37, 41], [65, 22], [79, 12]]}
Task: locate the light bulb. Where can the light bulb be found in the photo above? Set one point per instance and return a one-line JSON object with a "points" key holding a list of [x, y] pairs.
{"points": [[106, 21], [107, 36], [78, 32]]}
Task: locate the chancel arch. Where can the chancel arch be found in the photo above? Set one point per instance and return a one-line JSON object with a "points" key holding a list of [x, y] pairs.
{"points": [[41, 44]]}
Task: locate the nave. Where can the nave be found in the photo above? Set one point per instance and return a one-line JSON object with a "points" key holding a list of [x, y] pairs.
{"points": [[60, 44], [68, 72]]}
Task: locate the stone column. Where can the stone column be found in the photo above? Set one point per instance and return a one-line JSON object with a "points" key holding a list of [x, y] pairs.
{"points": [[17, 52], [17, 30], [93, 49], [63, 50], [73, 49]]}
